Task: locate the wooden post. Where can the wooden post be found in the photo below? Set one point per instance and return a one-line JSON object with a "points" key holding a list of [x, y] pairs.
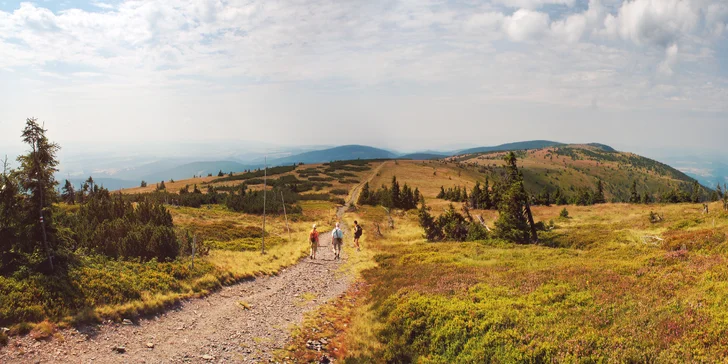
{"points": [[265, 187], [194, 248], [286, 215]]}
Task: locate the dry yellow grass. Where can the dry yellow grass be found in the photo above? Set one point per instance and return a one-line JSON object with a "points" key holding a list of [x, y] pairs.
{"points": [[428, 176], [171, 186]]}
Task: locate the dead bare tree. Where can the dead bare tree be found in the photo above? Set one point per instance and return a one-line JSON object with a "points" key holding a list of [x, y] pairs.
{"points": [[482, 222]]}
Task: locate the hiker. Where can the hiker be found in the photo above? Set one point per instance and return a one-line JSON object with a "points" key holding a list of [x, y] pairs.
{"points": [[313, 238], [337, 239], [357, 234]]}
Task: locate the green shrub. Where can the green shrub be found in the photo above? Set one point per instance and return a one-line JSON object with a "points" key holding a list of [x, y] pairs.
{"points": [[564, 213], [339, 192]]}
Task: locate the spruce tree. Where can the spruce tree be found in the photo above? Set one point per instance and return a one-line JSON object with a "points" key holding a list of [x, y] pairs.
{"points": [[515, 222], [364, 195], [599, 195], [634, 197], [432, 231], [697, 195], [10, 209], [68, 195], [395, 194], [486, 200], [36, 180], [476, 196]]}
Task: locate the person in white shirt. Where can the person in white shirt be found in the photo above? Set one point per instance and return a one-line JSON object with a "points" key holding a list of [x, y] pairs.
{"points": [[337, 239]]}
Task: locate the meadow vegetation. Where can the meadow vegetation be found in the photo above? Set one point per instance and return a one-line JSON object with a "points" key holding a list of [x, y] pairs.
{"points": [[605, 283]]}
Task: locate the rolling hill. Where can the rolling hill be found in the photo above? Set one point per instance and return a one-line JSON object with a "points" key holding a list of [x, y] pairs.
{"points": [[345, 152], [422, 156], [566, 167], [195, 169], [533, 144], [575, 166]]}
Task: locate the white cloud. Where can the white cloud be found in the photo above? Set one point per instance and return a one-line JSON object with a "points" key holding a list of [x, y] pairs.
{"points": [[526, 25], [660, 22], [534, 4], [666, 67]]}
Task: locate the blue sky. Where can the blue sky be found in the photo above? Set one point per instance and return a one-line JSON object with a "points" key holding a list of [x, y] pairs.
{"points": [[399, 74]]}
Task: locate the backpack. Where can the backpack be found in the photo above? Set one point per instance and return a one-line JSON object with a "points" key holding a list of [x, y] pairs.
{"points": [[312, 237], [358, 230], [338, 234]]}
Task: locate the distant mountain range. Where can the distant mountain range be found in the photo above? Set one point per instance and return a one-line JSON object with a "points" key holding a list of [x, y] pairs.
{"points": [[124, 175], [345, 152]]}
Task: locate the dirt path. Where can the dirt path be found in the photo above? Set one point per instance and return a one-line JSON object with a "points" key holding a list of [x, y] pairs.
{"points": [[218, 328]]}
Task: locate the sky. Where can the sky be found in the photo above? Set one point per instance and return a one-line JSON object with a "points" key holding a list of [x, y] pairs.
{"points": [[400, 74]]}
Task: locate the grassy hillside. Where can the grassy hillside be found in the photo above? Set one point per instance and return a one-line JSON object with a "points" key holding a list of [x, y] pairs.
{"points": [[569, 168], [533, 144]]}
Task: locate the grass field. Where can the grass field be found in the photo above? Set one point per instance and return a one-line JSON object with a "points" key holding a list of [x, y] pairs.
{"points": [[600, 288], [95, 288]]}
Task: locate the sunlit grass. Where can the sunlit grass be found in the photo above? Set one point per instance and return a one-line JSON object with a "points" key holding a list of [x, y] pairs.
{"points": [[594, 288]]}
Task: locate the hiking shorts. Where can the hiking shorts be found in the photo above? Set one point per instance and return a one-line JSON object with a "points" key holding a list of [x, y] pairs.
{"points": [[338, 242], [314, 246]]}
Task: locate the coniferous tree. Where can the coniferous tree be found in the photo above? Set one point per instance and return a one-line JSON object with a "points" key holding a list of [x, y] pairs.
{"points": [[697, 195], [220, 174], [634, 196], [486, 200], [442, 193], [432, 230], [161, 186], [364, 195], [453, 225], [10, 219], [143, 184], [476, 196], [68, 195], [395, 193], [36, 180], [599, 195], [646, 198], [515, 222], [559, 198]]}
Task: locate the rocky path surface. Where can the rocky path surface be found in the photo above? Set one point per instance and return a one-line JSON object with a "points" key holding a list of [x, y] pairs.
{"points": [[245, 323]]}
